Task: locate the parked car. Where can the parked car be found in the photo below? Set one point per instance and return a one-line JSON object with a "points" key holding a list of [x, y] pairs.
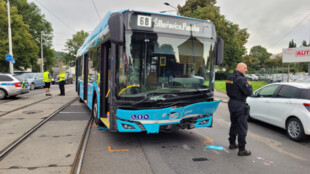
{"points": [[285, 105], [251, 76], [68, 79], [35, 80], [12, 85]]}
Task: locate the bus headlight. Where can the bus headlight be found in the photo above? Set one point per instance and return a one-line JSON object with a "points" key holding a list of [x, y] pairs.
{"points": [[126, 126]]}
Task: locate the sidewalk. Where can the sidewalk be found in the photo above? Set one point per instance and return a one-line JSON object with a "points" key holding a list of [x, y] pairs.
{"points": [[220, 96]]}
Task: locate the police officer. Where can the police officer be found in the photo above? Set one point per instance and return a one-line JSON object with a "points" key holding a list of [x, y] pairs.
{"points": [[238, 89], [47, 78], [61, 78]]}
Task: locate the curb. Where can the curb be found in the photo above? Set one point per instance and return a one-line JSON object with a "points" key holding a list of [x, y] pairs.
{"points": [[222, 100]]}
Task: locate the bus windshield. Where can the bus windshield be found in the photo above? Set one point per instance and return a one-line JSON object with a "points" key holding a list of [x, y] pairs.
{"points": [[153, 63]]}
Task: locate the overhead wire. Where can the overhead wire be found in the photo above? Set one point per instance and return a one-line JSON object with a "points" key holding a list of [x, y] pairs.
{"points": [[290, 31], [96, 10], [55, 16]]}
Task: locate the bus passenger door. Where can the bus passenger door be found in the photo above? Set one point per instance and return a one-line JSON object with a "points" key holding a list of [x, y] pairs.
{"points": [[104, 91], [85, 78]]}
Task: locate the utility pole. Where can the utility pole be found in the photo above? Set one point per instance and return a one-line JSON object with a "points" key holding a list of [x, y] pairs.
{"points": [[10, 38], [42, 65]]}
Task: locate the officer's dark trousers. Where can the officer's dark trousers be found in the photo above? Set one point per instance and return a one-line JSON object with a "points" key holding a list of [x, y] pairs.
{"points": [[62, 87], [239, 127]]}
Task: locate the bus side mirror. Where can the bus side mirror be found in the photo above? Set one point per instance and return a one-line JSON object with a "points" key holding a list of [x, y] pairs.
{"points": [[116, 28], [219, 51]]}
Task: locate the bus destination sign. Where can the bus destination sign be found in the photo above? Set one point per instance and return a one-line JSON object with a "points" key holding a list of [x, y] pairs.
{"points": [[172, 25]]}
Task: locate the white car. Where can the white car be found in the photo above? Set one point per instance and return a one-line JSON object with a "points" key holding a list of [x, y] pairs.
{"points": [[12, 85], [286, 105]]}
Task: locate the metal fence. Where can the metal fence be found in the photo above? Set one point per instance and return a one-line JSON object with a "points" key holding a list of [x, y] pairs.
{"points": [[277, 74]]}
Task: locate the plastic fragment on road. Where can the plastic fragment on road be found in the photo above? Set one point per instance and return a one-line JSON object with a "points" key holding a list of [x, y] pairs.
{"points": [[102, 128], [215, 147]]}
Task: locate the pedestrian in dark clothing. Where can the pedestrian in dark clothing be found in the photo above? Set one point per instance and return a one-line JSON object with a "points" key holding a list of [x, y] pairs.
{"points": [[61, 78], [238, 89]]}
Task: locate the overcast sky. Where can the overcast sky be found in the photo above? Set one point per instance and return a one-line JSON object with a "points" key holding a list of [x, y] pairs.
{"points": [[271, 23]]}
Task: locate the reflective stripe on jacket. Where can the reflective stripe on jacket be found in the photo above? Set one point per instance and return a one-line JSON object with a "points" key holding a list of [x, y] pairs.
{"points": [[46, 77]]}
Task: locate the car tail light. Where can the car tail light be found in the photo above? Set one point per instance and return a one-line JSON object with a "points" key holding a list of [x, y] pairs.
{"points": [[18, 84], [307, 105]]}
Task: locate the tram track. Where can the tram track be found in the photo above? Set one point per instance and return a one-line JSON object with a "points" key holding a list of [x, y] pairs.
{"points": [[22, 107], [4, 152], [78, 161]]}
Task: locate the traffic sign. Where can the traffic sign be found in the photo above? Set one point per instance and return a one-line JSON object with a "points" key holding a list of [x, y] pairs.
{"points": [[13, 60], [8, 57]]}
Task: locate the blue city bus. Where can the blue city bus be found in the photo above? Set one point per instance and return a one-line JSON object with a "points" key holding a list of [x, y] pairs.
{"points": [[149, 72]]}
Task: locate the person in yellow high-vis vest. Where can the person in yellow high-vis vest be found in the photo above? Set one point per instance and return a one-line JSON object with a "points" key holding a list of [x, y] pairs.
{"points": [[61, 78], [47, 78]]}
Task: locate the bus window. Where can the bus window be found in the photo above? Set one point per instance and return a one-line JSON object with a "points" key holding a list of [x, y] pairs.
{"points": [[81, 67]]}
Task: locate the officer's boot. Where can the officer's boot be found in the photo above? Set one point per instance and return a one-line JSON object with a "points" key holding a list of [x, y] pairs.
{"points": [[244, 152], [233, 146]]}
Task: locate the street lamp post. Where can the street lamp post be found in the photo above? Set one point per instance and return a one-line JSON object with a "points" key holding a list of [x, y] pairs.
{"points": [[10, 38], [166, 3], [42, 64]]}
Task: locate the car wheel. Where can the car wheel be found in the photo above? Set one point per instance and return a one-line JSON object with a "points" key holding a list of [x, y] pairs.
{"points": [[32, 86], [295, 129], [95, 112], [3, 94]]}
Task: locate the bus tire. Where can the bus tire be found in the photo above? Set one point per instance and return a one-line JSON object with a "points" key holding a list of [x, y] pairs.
{"points": [[95, 111]]}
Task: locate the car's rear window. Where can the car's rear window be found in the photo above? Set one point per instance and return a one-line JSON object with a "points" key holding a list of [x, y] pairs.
{"points": [[5, 78], [18, 77], [288, 92], [305, 94]]}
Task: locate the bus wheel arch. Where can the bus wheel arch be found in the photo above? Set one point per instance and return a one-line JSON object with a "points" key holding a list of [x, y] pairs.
{"points": [[95, 111]]}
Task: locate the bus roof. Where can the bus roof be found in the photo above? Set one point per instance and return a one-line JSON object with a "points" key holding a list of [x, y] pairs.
{"points": [[95, 34]]}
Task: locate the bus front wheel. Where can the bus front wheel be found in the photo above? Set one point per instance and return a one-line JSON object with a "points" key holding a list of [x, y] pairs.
{"points": [[95, 112]]}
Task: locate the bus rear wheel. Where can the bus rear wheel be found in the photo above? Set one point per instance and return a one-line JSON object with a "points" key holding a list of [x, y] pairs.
{"points": [[95, 113]]}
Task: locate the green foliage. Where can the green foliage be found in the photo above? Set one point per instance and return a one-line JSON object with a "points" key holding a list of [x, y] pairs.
{"points": [[38, 26], [292, 44], [221, 85], [221, 75], [234, 37], [304, 43], [72, 46], [260, 53], [251, 63], [25, 50], [59, 55]]}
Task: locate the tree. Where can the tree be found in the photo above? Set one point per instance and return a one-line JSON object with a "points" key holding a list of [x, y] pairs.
{"points": [[292, 44], [260, 53], [277, 61], [38, 26], [234, 37], [251, 62], [72, 46], [304, 43], [25, 49]]}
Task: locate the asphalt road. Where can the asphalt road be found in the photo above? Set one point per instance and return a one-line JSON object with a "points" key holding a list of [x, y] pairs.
{"points": [[31, 93], [180, 152], [184, 151]]}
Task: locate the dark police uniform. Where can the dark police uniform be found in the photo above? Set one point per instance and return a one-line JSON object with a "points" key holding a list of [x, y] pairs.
{"points": [[238, 89]]}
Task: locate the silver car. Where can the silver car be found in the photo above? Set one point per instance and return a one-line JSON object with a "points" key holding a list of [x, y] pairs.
{"points": [[35, 80], [12, 85]]}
